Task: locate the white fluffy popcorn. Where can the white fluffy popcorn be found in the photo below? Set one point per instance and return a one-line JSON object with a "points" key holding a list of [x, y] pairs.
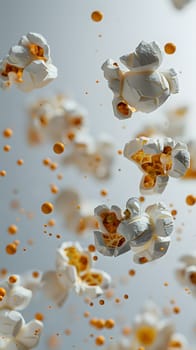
{"points": [[90, 156], [145, 233], [158, 158], [28, 64], [74, 271], [141, 87], [186, 274], [180, 4], [58, 118], [15, 334], [13, 295], [77, 213]]}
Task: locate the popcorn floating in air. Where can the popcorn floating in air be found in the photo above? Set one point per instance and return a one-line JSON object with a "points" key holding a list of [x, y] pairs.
{"points": [[78, 214], [74, 271], [28, 64], [55, 119], [158, 158], [141, 87], [15, 334], [180, 4], [13, 295], [186, 275], [191, 172], [91, 156], [147, 233]]}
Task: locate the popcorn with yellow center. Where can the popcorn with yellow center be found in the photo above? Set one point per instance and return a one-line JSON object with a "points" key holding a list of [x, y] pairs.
{"points": [[158, 158], [28, 64], [74, 271], [145, 233], [141, 87]]}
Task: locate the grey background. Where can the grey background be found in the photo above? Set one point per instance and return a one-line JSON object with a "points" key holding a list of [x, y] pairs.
{"points": [[78, 52]]}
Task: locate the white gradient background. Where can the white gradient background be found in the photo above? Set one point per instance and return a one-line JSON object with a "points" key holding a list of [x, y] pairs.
{"points": [[78, 53]]}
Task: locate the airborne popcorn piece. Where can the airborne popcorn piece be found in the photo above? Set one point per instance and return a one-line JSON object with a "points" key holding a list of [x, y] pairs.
{"points": [[78, 214], [158, 159], [58, 118], [91, 156], [28, 64], [147, 234], [186, 275], [74, 271], [13, 295], [15, 334], [180, 4], [141, 87]]}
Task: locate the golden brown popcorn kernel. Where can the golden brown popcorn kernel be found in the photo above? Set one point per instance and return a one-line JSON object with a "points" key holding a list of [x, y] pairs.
{"points": [[58, 147], [7, 148], [190, 199], [124, 109], [143, 260], [109, 323], [13, 279], [97, 16], [3, 173], [39, 316], [7, 133], [47, 208], [12, 229], [170, 48], [11, 249], [20, 162]]}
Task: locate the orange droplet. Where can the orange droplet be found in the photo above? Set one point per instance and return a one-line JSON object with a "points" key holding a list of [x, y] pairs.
{"points": [[47, 208], [54, 189], [51, 222], [58, 147], [53, 166], [170, 48], [132, 272], [174, 212], [176, 309], [109, 323], [3, 173], [35, 274], [11, 249], [20, 162], [190, 199], [7, 148], [13, 279], [97, 16], [100, 340], [103, 192], [126, 296], [101, 302], [2, 293], [7, 133], [39, 316], [12, 229], [46, 161]]}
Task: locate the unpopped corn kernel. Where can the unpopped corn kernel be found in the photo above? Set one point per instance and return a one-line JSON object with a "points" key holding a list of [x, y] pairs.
{"points": [[58, 147], [47, 208], [190, 199], [170, 48], [97, 16]]}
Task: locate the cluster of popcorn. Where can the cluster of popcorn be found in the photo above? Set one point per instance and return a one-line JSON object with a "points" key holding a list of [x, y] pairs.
{"points": [[142, 87], [15, 333], [28, 64], [186, 274], [147, 233], [77, 213], [158, 158], [151, 331]]}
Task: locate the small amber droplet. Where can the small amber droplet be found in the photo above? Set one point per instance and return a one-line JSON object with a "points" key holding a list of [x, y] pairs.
{"points": [[2, 293], [91, 248], [12, 229], [190, 199], [20, 162], [11, 249], [7, 133], [132, 272], [47, 208], [35, 274], [39, 316], [7, 148], [3, 173], [176, 309], [101, 302], [97, 16], [13, 279], [109, 323], [100, 340], [170, 48], [58, 147]]}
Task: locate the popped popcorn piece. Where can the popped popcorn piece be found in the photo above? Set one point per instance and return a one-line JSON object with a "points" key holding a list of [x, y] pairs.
{"points": [[141, 87], [74, 271], [13, 295], [16, 334], [28, 64], [91, 156], [191, 172], [186, 274], [56, 119], [78, 213], [147, 234], [180, 4], [158, 158]]}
